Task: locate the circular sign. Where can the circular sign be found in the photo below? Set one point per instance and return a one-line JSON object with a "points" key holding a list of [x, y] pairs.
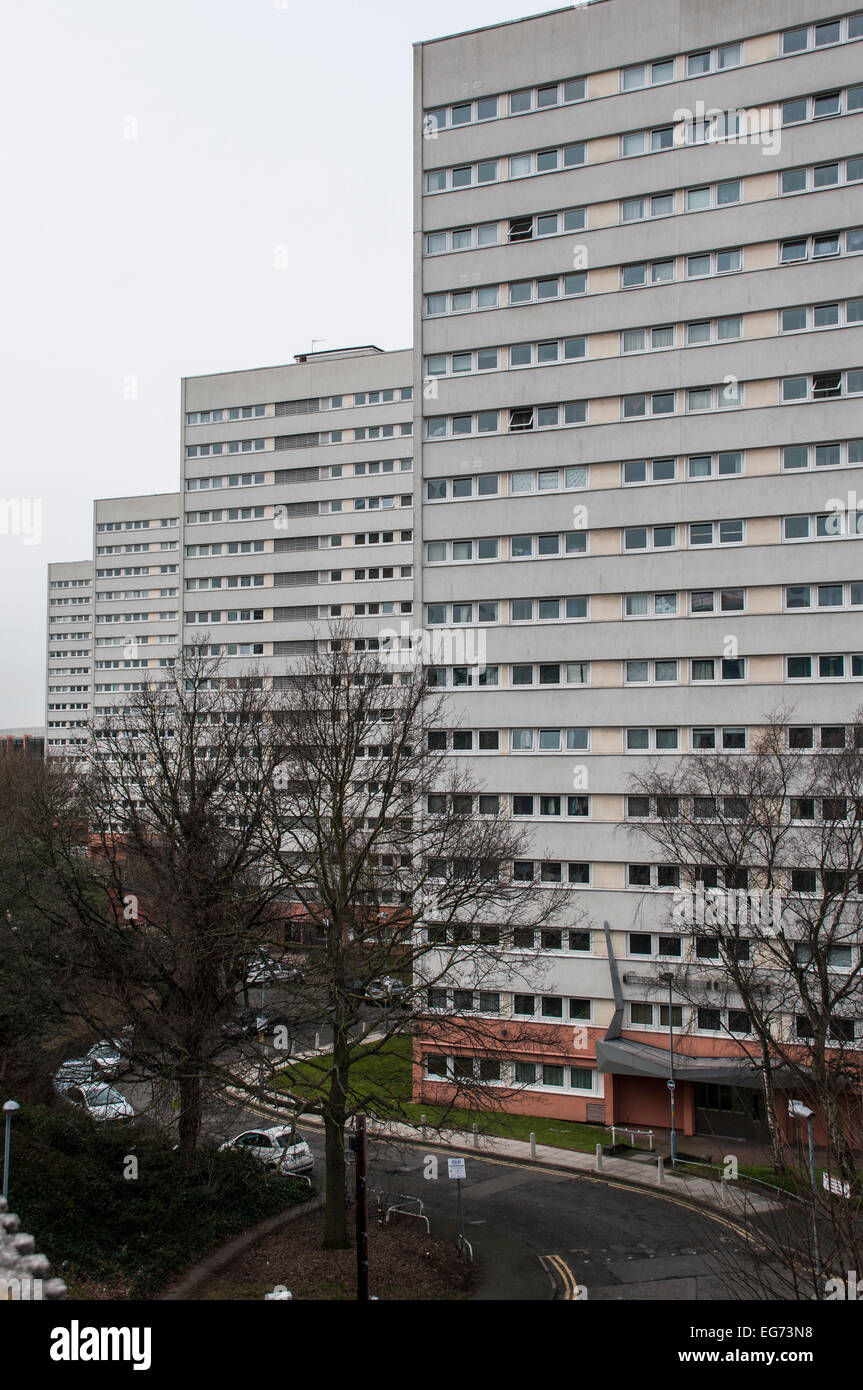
{"points": [[671, 1085]]}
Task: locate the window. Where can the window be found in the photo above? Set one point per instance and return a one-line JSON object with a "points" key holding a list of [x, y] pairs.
{"points": [[710, 1020], [827, 104]]}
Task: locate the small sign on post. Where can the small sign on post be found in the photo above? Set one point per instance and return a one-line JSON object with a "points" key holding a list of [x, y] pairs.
{"points": [[456, 1169]]}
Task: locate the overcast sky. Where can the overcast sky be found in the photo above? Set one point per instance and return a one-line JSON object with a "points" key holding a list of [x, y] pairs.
{"points": [[157, 160]]}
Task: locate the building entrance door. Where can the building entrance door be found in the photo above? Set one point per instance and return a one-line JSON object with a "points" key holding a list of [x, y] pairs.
{"points": [[732, 1112]]}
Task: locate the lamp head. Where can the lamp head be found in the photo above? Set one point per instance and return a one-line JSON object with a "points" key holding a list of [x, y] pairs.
{"points": [[799, 1110]]}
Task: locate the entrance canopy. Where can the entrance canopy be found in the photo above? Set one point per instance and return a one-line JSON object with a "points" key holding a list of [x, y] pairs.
{"points": [[625, 1057]]}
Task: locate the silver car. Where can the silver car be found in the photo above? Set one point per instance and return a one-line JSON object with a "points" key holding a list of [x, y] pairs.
{"points": [[107, 1057], [76, 1071], [100, 1101], [278, 1148]]}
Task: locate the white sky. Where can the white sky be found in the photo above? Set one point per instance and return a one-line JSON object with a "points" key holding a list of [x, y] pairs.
{"points": [[259, 124]]}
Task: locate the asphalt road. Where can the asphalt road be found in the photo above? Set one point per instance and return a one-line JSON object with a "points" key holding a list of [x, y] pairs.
{"points": [[540, 1234]]}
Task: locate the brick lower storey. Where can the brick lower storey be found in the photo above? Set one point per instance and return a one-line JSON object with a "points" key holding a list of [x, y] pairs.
{"points": [[615, 1098]]}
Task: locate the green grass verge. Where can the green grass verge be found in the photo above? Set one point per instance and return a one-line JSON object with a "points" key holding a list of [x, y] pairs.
{"points": [[790, 1180], [380, 1080]]}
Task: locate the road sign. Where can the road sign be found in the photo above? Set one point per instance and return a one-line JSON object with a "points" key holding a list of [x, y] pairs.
{"points": [[456, 1168], [670, 1085]]}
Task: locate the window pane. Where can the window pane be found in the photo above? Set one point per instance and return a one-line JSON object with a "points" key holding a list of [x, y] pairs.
{"points": [[794, 111], [825, 175], [795, 40], [793, 180], [632, 78], [728, 192]]}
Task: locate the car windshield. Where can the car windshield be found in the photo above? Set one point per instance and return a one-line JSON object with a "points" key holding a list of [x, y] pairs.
{"points": [[289, 1141]]}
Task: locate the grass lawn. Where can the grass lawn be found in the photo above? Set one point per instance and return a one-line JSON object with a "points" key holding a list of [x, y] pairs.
{"points": [[790, 1180], [380, 1081]]}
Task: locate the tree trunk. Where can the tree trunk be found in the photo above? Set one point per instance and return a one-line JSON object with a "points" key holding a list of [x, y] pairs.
{"points": [[769, 1093], [190, 1114], [336, 1219]]}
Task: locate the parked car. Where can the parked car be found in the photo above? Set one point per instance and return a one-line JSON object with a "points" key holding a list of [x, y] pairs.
{"points": [[264, 970], [107, 1057], [278, 1148], [100, 1101], [75, 1072], [387, 990]]}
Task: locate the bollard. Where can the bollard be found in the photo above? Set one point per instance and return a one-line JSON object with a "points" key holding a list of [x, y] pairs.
{"points": [[423, 1126], [476, 1136], [599, 1158], [532, 1144], [660, 1171], [317, 1042]]}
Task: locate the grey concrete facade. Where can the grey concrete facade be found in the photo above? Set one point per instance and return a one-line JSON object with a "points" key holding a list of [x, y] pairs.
{"points": [[136, 548], [69, 656], [297, 504], [613, 404]]}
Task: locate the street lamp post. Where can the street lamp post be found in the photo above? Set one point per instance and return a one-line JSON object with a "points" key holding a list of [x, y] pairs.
{"points": [[669, 980], [9, 1108], [802, 1112]]}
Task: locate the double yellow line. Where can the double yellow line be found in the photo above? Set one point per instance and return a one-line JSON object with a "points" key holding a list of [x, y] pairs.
{"points": [[564, 1274]]}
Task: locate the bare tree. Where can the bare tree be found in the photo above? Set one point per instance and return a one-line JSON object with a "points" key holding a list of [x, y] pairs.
{"points": [[220, 807], [784, 820], [378, 841], [175, 893]]}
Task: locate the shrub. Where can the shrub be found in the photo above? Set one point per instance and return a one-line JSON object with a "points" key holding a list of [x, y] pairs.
{"points": [[133, 1234]]}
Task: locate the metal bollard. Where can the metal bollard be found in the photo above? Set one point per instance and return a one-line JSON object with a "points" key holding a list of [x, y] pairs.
{"points": [[599, 1158], [476, 1136], [660, 1171], [532, 1144]]}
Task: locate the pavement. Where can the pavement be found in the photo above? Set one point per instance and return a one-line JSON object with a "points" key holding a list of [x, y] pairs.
{"points": [[728, 1197]]}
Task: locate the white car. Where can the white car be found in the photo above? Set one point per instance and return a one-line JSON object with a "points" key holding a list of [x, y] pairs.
{"points": [[106, 1056], [100, 1101], [264, 970], [277, 1148], [76, 1071]]}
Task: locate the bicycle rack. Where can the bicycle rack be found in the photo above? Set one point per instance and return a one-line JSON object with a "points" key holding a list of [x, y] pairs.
{"points": [[403, 1210], [463, 1241]]}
